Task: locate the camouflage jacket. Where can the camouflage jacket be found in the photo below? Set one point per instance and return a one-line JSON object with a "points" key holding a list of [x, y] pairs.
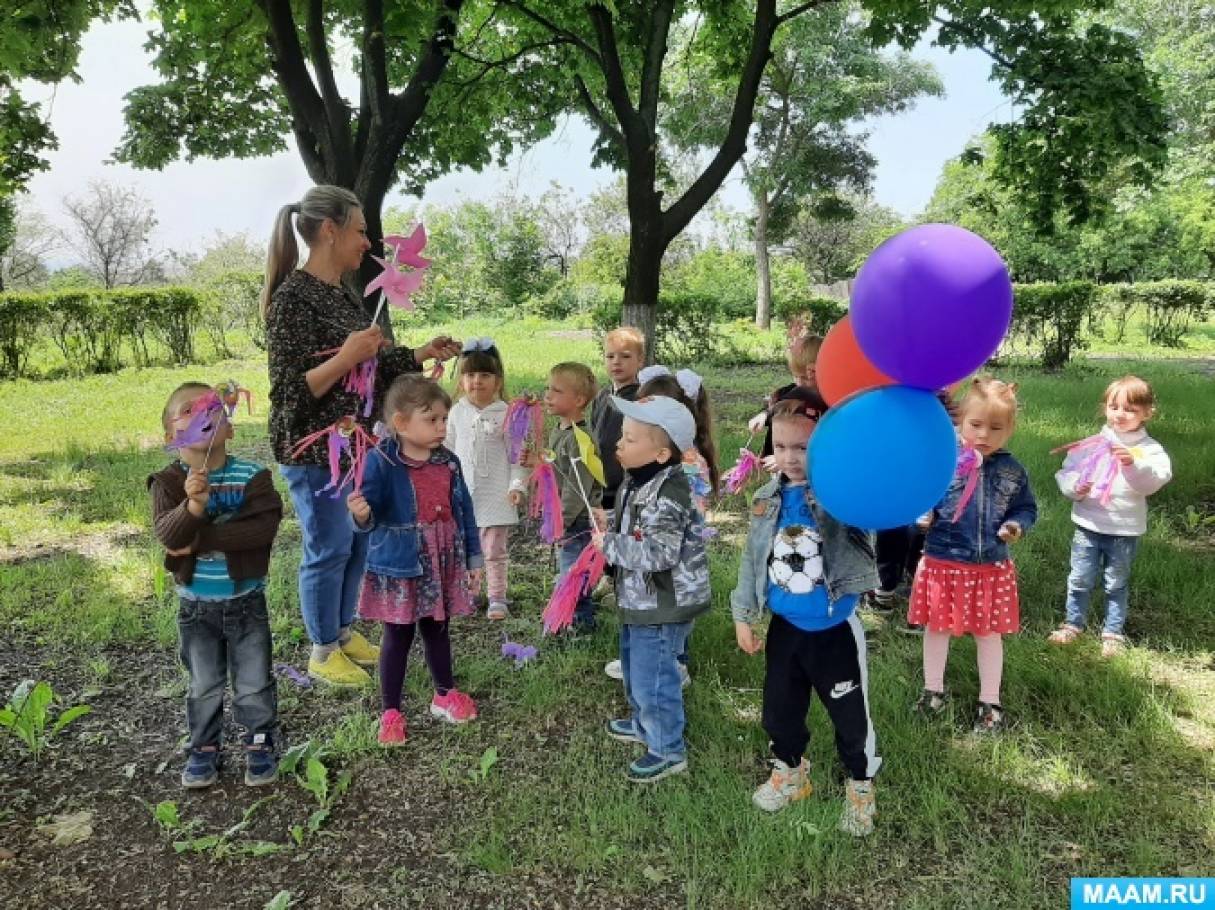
{"points": [[658, 551]]}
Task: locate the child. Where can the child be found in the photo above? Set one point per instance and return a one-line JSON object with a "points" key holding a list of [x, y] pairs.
{"points": [[623, 355], [662, 579], [699, 461], [424, 552], [571, 387], [216, 516], [966, 582], [800, 357], [1109, 533], [475, 434], [809, 571]]}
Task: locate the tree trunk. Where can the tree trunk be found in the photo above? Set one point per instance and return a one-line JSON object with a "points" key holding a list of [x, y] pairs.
{"points": [[644, 271], [763, 290]]}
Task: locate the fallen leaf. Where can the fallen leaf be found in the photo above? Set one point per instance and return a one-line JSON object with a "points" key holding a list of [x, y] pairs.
{"points": [[70, 829], [6, 855]]}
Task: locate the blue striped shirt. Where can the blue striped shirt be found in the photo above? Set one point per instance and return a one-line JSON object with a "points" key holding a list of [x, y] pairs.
{"points": [[211, 580]]}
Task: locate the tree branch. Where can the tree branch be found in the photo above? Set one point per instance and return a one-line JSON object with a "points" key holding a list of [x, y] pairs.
{"points": [[572, 37], [303, 100], [597, 116], [651, 67], [375, 67], [617, 86], [337, 116], [799, 9], [972, 40]]}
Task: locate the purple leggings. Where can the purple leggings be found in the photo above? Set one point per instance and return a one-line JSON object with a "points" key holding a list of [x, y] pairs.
{"points": [[394, 658]]}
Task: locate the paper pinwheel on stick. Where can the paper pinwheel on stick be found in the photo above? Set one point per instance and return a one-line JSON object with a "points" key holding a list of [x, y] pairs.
{"points": [[524, 426], [348, 441], [394, 285], [209, 413], [744, 469], [1092, 461]]}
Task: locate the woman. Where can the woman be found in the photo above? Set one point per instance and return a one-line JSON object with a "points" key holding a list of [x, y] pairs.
{"points": [[307, 310]]}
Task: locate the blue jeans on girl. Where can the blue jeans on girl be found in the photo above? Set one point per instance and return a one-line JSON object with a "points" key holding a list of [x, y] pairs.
{"points": [[1091, 553]]}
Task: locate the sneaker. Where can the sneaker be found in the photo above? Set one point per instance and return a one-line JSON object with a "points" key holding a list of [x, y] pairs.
{"points": [[201, 770], [624, 731], [911, 628], [989, 719], [786, 785], [650, 768], [859, 808], [455, 707], [360, 650], [497, 610], [879, 602], [392, 728], [261, 764], [338, 670], [1066, 634], [685, 677], [1112, 644], [614, 669], [930, 703]]}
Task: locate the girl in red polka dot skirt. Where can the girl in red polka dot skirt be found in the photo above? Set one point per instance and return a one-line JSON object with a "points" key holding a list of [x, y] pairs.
{"points": [[966, 583]]}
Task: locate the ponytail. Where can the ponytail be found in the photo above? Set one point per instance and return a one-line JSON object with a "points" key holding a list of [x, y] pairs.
{"points": [[283, 255]]}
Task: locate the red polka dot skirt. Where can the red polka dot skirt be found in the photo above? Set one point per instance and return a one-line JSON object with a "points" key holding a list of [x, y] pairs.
{"points": [[965, 598]]}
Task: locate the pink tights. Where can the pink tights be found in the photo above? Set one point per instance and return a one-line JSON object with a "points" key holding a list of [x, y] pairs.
{"points": [[991, 663]]}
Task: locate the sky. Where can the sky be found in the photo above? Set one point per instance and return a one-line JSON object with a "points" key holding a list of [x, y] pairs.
{"points": [[195, 200]]}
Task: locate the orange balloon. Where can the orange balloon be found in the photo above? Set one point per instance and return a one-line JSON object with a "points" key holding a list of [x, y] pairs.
{"points": [[842, 368]]}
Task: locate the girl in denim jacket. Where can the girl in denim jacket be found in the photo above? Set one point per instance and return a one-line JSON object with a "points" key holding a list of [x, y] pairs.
{"points": [[966, 583], [425, 550]]}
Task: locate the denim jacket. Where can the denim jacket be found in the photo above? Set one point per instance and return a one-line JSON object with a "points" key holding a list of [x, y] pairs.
{"points": [[396, 542], [848, 554], [1003, 494]]}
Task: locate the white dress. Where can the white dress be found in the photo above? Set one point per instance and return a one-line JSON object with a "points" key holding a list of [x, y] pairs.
{"points": [[478, 438]]}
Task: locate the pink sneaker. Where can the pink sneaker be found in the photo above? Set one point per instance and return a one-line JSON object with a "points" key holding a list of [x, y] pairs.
{"points": [[455, 707], [392, 728]]}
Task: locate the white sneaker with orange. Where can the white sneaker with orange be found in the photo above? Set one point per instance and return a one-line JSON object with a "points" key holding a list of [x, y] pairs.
{"points": [[786, 785]]}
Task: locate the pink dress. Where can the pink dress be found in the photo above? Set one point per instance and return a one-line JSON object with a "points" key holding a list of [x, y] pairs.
{"points": [[441, 591], [965, 598]]}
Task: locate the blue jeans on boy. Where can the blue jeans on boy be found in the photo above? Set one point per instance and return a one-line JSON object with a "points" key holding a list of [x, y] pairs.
{"points": [[1091, 552], [649, 659], [331, 567], [222, 638], [577, 538]]}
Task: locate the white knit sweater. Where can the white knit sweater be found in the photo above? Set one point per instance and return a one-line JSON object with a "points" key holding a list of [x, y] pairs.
{"points": [[477, 437], [1126, 513]]}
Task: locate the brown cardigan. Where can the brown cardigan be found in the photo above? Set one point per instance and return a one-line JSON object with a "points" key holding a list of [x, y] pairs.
{"points": [[244, 539]]}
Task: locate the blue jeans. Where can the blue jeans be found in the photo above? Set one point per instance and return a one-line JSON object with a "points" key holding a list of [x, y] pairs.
{"points": [[1090, 551], [222, 638], [577, 538], [648, 656], [334, 556]]}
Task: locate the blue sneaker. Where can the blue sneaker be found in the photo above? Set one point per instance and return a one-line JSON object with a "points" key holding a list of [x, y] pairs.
{"points": [[624, 731], [650, 768], [201, 770], [261, 764]]}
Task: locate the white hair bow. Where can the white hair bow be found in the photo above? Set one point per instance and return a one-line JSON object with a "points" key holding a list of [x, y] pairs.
{"points": [[689, 380], [477, 344]]}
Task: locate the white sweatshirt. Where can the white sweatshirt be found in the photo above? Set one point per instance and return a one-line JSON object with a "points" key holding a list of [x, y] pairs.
{"points": [[1126, 513], [478, 438]]}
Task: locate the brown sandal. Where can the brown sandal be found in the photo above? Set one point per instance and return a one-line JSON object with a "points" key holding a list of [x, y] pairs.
{"points": [[1066, 634]]}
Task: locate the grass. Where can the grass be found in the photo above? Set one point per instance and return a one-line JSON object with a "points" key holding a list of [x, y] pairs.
{"points": [[1106, 771]]}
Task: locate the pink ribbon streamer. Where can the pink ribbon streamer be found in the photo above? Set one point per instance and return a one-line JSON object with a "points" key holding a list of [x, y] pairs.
{"points": [[524, 427], [581, 579], [747, 466], [546, 502], [970, 464], [1097, 465]]}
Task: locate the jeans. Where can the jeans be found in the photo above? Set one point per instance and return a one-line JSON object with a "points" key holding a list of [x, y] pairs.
{"points": [[222, 639], [577, 538], [334, 556], [651, 680], [1090, 550]]}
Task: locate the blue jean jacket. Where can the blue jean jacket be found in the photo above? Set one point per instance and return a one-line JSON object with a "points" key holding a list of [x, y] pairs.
{"points": [[396, 543], [848, 555], [1003, 494]]}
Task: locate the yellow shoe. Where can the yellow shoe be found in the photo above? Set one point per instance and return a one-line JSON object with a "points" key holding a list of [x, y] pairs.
{"points": [[338, 670], [360, 650]]}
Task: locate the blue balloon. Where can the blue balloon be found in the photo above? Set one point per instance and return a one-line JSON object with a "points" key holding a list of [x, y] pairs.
{"points": [[882, 458]]}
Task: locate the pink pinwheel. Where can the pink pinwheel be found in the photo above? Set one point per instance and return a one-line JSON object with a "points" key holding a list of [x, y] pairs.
{"points": [[970, 464], [395, 284], [406, 250]]}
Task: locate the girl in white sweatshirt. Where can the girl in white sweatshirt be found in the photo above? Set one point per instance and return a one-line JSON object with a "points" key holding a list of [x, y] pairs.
{"points": [[476, 433], [1109, 481]]}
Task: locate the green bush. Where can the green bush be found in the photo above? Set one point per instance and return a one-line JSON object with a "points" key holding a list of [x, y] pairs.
{"points": [[687, 326], [819, 313], [1053, 317], [1169, 308], [22, 317]]}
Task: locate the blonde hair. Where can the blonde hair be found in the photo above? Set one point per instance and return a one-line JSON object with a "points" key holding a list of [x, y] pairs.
{"points": [[580, 376], [803, 352], [991, 394], [412, 392], [167, 416], [627, 336], [1138, 393], [322, 202]]}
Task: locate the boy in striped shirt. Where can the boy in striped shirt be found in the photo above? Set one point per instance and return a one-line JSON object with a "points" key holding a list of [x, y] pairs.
{"points": [[216, 516]]}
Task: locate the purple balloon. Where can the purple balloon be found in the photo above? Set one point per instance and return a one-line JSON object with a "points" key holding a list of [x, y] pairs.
{"points": [[931, 305]]}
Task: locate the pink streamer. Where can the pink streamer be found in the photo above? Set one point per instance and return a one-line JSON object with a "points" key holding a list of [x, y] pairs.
{"points": [[524, 427], [748, 465], [581, 579], [344, 438], [546, 502], [1098, 466], [970, 464]]}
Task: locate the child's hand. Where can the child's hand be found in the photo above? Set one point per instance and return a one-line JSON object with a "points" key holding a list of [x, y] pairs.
{"points": [[597, 536], [1009, 531], [198, 490], [531, 458], [183, 551], [770, 464], [599, 517], [1123, 454], [474, 580], [746, 638], [515, 497], [1083, 489], [358, 508], [758, 422]]}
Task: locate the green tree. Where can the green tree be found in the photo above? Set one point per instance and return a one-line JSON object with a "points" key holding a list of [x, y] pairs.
{"points": [[832, 236]]}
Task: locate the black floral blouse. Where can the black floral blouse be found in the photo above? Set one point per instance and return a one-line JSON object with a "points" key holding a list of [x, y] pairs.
{"points": [[308, 315]]}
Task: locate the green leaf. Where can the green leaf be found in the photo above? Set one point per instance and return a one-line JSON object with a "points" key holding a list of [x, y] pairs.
{"points": [[280, 901], [316, 819], [68, 716], [316, 780], [166, 815], [262, 848]]}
